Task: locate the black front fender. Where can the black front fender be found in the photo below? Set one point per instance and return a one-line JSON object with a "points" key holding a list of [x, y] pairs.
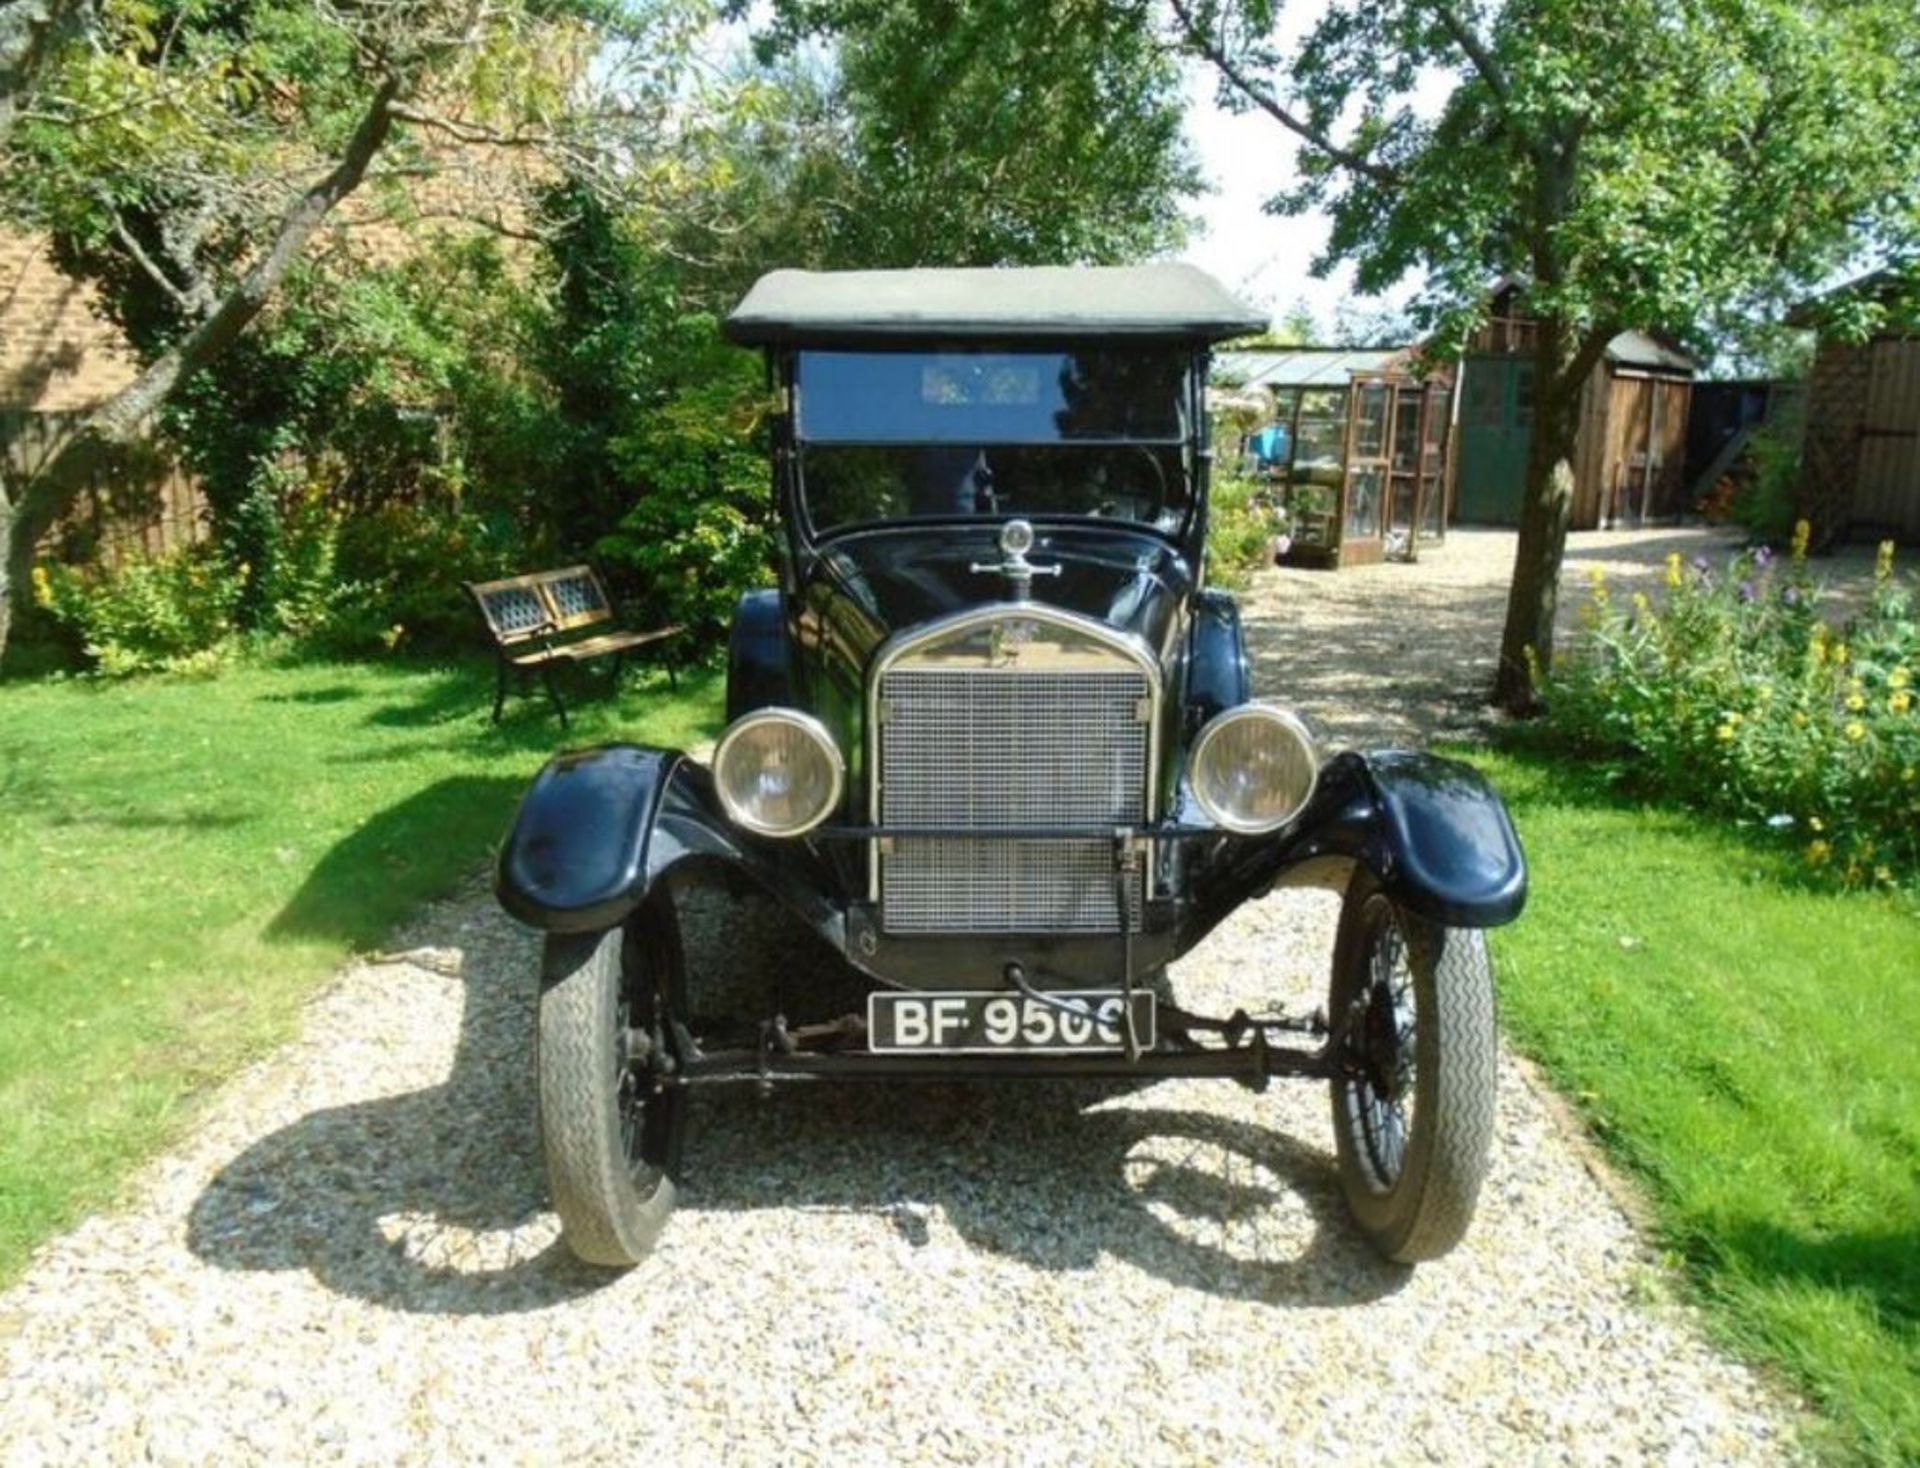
{"points": [[599, 827], [1431, 829]]}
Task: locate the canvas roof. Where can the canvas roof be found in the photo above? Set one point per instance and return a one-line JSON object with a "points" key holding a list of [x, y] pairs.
{"points": [[1637, 349], [1164, 302]]}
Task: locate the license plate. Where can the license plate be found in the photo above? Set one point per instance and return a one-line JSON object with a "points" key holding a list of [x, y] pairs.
{"points": [[997, 1024]]}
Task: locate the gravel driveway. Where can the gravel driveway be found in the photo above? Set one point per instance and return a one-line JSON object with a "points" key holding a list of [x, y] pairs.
{"points": [[349, 1259]]}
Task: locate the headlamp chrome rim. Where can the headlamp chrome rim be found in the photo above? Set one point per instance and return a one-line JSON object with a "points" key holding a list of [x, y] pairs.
{"points": [[1288, 720], [814, 730]]}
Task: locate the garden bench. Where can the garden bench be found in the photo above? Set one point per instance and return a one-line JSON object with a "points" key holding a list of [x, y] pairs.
{"points": [[549, 617]]}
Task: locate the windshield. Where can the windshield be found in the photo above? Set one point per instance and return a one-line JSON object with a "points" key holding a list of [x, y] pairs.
{"points": [[891, 435]]}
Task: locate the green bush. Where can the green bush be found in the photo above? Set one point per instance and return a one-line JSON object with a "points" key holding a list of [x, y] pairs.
{"points": [[171, 613], [401, 570], [1764, 504], [1241, 527], [1733, 694]]}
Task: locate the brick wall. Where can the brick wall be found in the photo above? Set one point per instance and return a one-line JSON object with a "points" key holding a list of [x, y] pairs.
{"points": [[57, 353]]}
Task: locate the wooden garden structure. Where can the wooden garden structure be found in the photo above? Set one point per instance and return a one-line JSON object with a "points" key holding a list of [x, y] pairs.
{"points": [[1860, 453], [1363, 472], [1630, 457]]}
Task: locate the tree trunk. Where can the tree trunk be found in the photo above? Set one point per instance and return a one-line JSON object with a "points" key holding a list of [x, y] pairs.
{"points": [[38, 503], [1564, 358]]}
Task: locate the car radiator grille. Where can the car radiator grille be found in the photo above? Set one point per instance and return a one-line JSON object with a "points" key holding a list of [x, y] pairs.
{"points": [[990, 749]]}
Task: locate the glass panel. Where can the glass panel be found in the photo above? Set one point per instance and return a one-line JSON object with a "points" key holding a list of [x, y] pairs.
{"points": [[1363, 503], [1433, 524], [1370, 426], [1402, 503], [1320, 444], [1406, 429], [850, 484], [991, 397]]}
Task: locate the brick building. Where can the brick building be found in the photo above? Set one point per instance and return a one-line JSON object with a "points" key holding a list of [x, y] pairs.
{"points": [[58, 354]]}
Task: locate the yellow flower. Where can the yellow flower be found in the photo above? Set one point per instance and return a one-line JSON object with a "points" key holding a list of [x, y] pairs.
{"points": [[42, 587], [1883, 562], [1641, 605], [1799, 719], [1674, 578], [1816, 823], [1856, 702], [1900, 703], [1724, 732], [1898, 679], [1818, 852], [1763, 692], [1735, 717], [1839, 654], [1882, 874], [1855, 730], [1802, 534]]}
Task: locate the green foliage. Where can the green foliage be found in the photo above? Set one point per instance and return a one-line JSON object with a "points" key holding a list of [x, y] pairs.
{"points": [[1765, 504], [1242, 523], [172, 613], [1733, 695], [979, 132], [1743, 1043]]}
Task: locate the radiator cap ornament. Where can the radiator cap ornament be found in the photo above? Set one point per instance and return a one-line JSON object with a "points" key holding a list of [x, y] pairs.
{"points": [[1016, 537]]}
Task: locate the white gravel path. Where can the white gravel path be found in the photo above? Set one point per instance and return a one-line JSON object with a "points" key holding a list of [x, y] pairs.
{"points": [[348, 1260]]}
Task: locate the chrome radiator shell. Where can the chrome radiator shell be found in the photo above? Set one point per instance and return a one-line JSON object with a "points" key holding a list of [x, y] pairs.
{"points": [[1010, 716]]}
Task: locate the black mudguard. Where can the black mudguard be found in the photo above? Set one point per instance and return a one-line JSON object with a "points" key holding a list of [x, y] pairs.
{"points": [[598, 828], [1217, 675], [1431, 829]]}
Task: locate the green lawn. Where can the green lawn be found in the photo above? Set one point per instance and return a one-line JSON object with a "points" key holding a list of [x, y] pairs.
{"points": [[1751, 1050], [181, 861]]}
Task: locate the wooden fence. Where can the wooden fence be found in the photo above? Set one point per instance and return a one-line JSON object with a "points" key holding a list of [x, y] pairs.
{"points": [[138, 502]]}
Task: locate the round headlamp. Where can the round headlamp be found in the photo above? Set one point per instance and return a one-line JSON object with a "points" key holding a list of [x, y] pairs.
{"points": [[1253, 768], [778, 772]]}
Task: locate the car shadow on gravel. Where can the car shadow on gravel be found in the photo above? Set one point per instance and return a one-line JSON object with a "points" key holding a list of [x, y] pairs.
{"points": [[432, 1200]]}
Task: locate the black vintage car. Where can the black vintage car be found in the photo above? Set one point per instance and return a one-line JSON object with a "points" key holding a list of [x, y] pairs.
{"points": [[992, 738]]}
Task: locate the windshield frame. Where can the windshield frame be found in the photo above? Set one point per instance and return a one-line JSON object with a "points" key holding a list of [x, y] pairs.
{"points": [[1190, 438]]}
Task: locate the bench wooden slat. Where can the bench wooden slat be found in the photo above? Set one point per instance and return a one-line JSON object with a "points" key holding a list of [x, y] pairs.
{"points": [[593, 647]]}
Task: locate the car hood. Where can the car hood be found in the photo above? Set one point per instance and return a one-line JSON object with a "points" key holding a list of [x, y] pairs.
{"points": [[899, 577]]}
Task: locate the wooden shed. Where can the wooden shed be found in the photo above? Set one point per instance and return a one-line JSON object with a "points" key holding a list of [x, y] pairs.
{"points": [[1359, 442], [1630, 457], [1860, 452]]}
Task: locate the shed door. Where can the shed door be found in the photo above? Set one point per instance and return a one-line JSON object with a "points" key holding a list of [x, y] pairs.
{"points": [[1888, 497], [1496, 416]]}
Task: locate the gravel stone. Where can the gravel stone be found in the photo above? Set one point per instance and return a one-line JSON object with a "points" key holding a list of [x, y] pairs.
{"points": [[348, 1260]]}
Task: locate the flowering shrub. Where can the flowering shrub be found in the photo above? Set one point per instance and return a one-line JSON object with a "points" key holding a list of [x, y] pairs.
{"points": [[1733, 693], [1242, 528], [172, 613]]}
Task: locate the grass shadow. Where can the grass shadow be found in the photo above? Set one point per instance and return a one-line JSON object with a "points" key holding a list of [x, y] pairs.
{"points": [[374, 877], [1878, 1266]]}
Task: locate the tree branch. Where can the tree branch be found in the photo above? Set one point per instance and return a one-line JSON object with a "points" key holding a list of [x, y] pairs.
{"points": [[1203, 42], [1476, 51], [28, 31], [193, 304], [468, 132]]}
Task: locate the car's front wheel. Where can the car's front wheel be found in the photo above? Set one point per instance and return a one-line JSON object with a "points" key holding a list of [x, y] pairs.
{"points": [[611, 1124], [1412, 1007]]}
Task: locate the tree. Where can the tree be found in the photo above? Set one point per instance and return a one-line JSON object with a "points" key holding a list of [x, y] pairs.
{"points": [[187, 156], [987, 132], [1641, 163]]}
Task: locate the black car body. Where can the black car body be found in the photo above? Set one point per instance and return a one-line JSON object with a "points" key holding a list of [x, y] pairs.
{"points": [[992, 737]]}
